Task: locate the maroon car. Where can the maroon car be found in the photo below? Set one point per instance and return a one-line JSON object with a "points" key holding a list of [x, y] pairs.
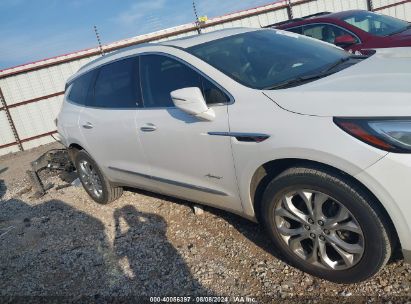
{"points": [[355, 30]]}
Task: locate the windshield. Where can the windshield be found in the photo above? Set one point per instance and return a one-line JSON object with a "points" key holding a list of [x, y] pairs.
{"points": [[376, 24], [265, 58]]}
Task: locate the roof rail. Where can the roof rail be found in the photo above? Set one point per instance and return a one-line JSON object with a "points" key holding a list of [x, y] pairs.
{"points": [[297, 19]]}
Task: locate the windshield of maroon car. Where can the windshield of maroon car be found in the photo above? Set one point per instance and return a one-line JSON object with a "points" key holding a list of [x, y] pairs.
{"points": [[264, 58], [376, 24]]}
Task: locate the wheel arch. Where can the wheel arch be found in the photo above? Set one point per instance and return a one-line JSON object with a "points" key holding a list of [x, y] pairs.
{"points": [[76, 146], [73, 148]]}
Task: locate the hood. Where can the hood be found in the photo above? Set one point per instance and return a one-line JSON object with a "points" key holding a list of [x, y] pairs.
{"points": [[377, 86]]}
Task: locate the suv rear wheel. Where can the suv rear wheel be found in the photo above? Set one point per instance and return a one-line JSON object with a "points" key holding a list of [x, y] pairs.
{"points": [[97, 186], [326, 225]]}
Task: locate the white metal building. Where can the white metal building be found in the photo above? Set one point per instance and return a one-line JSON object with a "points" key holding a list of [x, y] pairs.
{"points": [[31, 94]]}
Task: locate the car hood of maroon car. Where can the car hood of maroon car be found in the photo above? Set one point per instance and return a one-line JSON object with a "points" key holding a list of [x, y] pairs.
{"points": [[377, 86]]}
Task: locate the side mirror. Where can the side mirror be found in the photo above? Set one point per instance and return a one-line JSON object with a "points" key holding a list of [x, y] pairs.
{"points": [[191, 101], [345, 40]]}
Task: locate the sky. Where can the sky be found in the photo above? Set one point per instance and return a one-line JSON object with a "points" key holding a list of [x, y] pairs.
{"points": [[31, 30]]}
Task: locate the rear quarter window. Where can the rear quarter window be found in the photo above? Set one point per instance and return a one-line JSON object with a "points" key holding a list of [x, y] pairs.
{"points": [[81, 88]]}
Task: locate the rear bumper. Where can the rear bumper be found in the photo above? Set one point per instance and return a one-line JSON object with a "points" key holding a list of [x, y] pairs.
{"points": [[61, 139], [407, 256]]}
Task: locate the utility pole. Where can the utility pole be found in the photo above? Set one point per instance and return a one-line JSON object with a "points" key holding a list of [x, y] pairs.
{"points": [[198, 25], [370, 5], [99, 41], [289, 10]]}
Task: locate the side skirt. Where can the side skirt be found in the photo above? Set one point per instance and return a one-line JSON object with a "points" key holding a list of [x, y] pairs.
{"points": [[171, 182]]}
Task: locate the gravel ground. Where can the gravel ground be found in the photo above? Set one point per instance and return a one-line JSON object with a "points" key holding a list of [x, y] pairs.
{"points": [[64, 244]]}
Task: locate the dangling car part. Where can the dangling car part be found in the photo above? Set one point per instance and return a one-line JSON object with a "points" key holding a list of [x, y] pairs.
{"points": [[52, 160]]}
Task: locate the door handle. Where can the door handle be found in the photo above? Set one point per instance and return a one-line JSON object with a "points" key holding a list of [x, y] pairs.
{"points": [[149, 127], [88, 125]]}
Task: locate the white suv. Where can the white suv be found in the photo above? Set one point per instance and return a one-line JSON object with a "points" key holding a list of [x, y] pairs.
{"points": [[310, 141]]}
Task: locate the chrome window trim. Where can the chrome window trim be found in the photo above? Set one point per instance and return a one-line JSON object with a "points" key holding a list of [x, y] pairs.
{"points": [[139, 107], [96, 70], [100, 66]]}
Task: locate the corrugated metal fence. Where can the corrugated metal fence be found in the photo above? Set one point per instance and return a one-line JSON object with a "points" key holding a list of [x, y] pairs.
{"points": [[31, 94]]}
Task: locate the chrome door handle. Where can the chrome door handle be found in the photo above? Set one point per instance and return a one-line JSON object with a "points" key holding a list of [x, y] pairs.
{"points": [[88, 125], [148, 128]]}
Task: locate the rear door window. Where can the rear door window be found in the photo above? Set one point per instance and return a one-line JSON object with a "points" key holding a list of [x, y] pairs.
{"points": [[118, 85]]}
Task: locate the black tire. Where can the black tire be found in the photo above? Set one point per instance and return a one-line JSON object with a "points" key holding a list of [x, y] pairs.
{"points": [[377, 240], [109, 192]]}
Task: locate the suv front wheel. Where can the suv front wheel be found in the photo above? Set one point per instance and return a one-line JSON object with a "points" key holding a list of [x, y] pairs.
{"points": [[326, 225]]}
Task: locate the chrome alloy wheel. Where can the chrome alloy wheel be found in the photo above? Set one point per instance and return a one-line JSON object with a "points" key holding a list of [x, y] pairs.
{"points": [[90, 178], [319, 229]]}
